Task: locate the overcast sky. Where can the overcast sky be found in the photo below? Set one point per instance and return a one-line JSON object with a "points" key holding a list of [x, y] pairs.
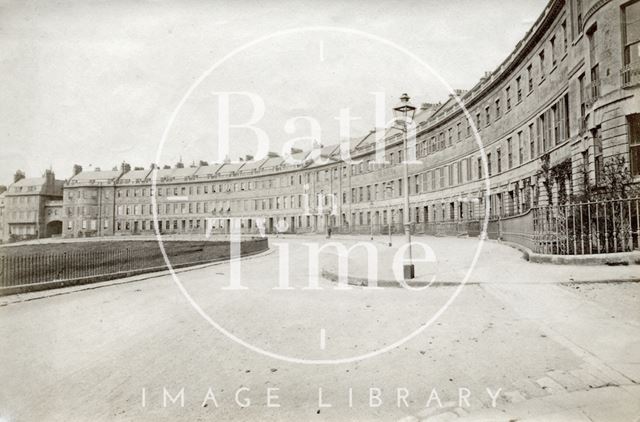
{"points": [[95, 83]]}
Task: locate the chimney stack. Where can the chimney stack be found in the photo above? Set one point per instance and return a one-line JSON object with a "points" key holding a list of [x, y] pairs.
{"points": [[125, 168], [19, 175], [49, 177]]}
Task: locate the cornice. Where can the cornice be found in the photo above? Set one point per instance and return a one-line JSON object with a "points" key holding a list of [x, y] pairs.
{"points": [[514, 60], [592, 10]]}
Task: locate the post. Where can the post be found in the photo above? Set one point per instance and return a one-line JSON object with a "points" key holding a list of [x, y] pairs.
{"points": [[409, 269], [389, 225]]}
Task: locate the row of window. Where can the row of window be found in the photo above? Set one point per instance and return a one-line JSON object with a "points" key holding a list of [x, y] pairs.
{"points": [[549, 129], [500, 204], [494, 111], [19, 189], [17, 200], [364, 166], [552, 128], [507, 203], [184, 225], [22, 216], [88, 224], [240, 205], [22, 230]]}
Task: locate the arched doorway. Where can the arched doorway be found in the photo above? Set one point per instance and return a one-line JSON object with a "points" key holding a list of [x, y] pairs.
{"points": [[54, 228]]}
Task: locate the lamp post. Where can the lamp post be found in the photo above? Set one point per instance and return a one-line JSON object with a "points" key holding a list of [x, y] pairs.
{"points": [[404, 113]]}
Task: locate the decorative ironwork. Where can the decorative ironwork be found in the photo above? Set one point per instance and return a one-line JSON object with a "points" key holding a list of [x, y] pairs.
{"points": [[587, 228]]}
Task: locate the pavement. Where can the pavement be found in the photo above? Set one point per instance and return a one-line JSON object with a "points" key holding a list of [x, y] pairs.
{"points": [[452, 260], [528, 343], [604, 388], [609, 403]]}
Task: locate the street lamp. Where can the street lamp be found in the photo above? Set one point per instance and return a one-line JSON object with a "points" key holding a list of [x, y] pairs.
{"points": [[404, 114]]}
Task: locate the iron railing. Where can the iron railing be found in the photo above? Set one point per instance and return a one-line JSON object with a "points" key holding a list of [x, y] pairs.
{"points": [[587, 228], [596, 227], [375, 229], [470, 228], [24, 268]]}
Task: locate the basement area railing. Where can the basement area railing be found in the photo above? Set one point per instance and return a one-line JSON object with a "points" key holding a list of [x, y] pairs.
{"points": [[597, 227], [587, 228]]}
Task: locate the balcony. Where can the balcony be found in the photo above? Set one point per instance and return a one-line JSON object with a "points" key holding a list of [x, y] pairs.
{"points": [[630, 75]]}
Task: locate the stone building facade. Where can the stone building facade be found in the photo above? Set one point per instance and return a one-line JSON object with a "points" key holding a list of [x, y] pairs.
{"points": [[89, 203], [33, 208], [567, 99]]}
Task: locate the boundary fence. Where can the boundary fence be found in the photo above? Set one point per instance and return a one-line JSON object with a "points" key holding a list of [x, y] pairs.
{"points": [[113, 261]]}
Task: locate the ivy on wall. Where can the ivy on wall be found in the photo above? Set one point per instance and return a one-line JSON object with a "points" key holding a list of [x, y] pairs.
{"points": [[614, 182], [550, 175]]}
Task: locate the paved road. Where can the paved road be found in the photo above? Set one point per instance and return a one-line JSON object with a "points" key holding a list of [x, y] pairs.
{"points": [[109, 353]]}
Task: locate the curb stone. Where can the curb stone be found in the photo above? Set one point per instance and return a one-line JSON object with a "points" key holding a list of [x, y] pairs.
{"points": [[619, 258]]}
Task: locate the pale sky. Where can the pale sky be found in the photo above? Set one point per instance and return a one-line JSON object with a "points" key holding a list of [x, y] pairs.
{"points": [[95, 83]]}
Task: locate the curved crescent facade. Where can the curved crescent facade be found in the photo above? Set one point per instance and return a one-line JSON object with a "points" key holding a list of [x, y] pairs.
{"points": [[565, 101]]}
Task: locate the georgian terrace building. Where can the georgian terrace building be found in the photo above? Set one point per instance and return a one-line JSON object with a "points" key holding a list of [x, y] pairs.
{"points": [[89, 203], [567, 98]]}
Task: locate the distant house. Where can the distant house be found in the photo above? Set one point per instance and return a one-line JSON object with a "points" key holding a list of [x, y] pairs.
{"points": [[32, 208]]}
